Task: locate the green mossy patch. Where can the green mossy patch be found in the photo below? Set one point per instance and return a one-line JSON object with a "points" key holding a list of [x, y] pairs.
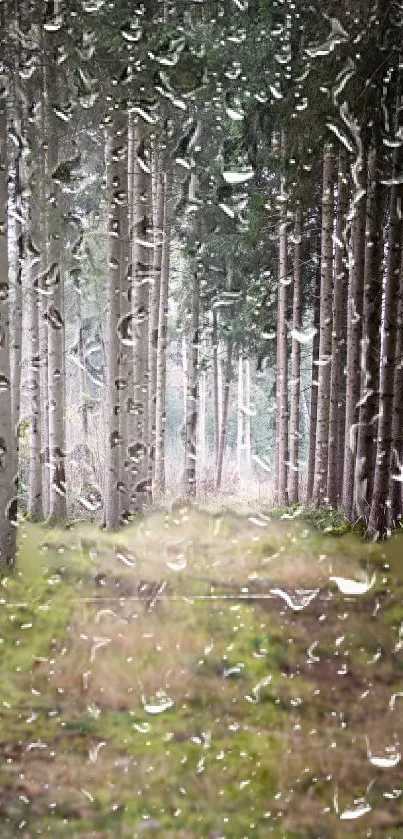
{"points": [[273, 710]]}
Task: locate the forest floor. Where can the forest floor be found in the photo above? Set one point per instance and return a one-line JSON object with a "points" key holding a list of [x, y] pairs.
{"points": [[201, 675]]}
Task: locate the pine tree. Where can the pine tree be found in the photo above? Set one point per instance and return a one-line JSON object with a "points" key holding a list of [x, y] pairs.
{"points": [[7, 437]]}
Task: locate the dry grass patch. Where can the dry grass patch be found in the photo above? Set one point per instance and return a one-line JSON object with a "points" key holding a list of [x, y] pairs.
{"points": [[123, 656]]}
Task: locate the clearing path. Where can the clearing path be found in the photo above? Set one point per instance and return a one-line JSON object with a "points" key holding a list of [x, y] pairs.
{"points": [[202, 676]]}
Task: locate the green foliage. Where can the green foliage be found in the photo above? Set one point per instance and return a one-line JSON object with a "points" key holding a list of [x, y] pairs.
{"points": [[324, 519]]}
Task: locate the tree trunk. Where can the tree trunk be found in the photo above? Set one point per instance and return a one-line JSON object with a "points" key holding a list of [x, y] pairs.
{"points": [[247, 429], [370, 342], [313, 409], [42, 302], [325, 332], [126, 346], [158, 224], [160, 416], [114, 188], [396, 472], [293, 478], [34, 506], [142, 247], [216, 402], [7, 437], [354, 332], [281, 377], [191, 393], [338, 338], [240, 421], [83, 373], [224, 418], [184, 359], [56, 327], [19, 254], [378, 519], [201, 430]]}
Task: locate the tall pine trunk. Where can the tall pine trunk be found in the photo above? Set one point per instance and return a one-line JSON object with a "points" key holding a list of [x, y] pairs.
{"points": [[216, 395], [43, 245], [34, 505], [378, 518], [293, 478], [224, 416], [240, 421], [19, 250], [313, 408], [114, 188], [370, 342], [248, 414], [158, 223], [141, 251], [396, 471], [190, 487], [282, 365], [338, 338], [325, 332], [56, 327], [7, 436], [160, 414], [126, 346], [354, 333]]}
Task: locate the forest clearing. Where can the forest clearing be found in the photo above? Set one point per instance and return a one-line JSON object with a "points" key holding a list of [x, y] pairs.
{"points": [[201, 675]]}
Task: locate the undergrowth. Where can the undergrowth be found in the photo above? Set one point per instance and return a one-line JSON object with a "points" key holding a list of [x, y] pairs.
{"points": [[157, 681]]}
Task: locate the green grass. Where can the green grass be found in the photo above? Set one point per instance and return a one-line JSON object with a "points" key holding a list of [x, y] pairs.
{"points": [[270, 708]]}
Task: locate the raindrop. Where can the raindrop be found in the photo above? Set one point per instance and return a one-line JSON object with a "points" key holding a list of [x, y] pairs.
{"points": [[353, 587], [388, 761], [297, 601], [237, 177], [164, 703]]}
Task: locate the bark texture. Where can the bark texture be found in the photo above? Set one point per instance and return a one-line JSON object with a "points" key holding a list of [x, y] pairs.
{"points": [[114, 189], [379, 513], [281, 373], [224, 417], [325, 332], [313, 410], [160, 415], [191, 392], [293, 478], [338, 338], [354, 333], [370, 342], [142, 246], [7, 436]]}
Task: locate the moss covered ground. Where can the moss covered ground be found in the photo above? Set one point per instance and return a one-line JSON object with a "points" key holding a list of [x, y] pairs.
{"points": [[201, 675]]}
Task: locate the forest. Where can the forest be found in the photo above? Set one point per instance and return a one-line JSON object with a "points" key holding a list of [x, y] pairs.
{"points": [[201, 402], [221, 179]]}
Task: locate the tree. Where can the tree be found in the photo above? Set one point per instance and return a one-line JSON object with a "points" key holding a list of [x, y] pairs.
{"points": [[141, 267], [293, 485], [7, 437], [339, 321], [224, 417], [354, 332], [160, 417], [281, 369], [378, 518], [116, 188], [192, 390], [370, 341], [325, 332]]}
